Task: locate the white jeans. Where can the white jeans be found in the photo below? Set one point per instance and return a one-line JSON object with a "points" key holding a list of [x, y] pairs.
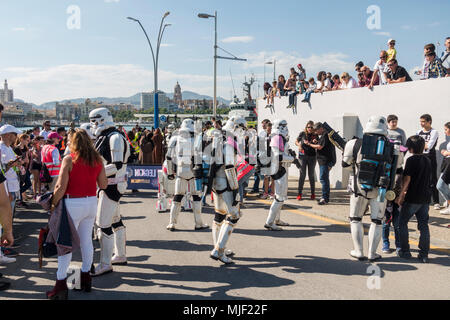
{"points": [[83, 212]]}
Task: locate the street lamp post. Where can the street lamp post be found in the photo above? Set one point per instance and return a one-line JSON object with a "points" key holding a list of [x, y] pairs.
{"points": [[207, 16], [155, 62]]}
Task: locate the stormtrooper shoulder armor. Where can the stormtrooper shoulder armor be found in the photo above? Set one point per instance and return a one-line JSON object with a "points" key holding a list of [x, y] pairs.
{"points": [[117, 145], [348, 157]]}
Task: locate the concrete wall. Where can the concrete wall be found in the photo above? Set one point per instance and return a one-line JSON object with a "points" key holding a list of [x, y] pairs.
{"points": [[347, 111]]}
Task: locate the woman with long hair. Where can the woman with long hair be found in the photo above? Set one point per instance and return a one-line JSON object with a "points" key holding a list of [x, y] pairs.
{"points": [[22, 150], [308, 159], [81, 173]]}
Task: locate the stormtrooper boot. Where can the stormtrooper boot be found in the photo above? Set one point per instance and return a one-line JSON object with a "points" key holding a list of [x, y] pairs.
{"points": [[219, 251], [120, 255], [374, 240], [357, 231], [106, 251], [197, 209], [215, 232], [174, 211], [273, 212]]}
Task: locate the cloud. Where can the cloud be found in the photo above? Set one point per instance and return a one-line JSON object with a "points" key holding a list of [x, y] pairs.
{"points": [[334, 62], [39, 85], [434, 24], [111, 1], [18, 29], [241, 39], [408, 27], [164, 45], [383, 33]]}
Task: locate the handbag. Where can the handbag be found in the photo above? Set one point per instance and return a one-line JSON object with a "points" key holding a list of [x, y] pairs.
{"points": [[45, 249]]}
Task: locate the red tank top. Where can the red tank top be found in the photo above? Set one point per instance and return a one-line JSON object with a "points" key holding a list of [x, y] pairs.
{"points": [[83, 179]]}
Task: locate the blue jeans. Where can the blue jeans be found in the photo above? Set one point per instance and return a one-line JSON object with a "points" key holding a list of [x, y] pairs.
{"points": [[386, 227], [421, 213], [307, 96], [443, 188], [325, 181], [256, 183]]}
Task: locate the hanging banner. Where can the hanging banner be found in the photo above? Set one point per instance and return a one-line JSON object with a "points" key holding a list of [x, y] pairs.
{"points": [[142, 177]]}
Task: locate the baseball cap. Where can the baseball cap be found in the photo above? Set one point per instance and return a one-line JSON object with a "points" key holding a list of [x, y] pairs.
{"points": [[54, 135], [391, 40], [7, 128], [299, 66]]}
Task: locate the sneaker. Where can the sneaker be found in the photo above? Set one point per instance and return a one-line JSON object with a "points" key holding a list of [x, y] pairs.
{"points": [[404, 255], [446, 211], [299, 197], [423, 259], [9, 252], [386, 250], [6, 260], [265, 196], [437, 206], [322, 202], [313, 197]]}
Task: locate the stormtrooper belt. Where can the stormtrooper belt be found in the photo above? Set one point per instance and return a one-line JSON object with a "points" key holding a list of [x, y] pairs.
{"points": [[116, 180]]}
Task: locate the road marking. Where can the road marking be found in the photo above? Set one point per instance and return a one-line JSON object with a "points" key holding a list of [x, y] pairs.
{"points": [[345, 224]]}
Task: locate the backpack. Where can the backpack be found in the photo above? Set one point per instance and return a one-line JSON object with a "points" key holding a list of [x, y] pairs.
{"points": [[44, 175], [377, 154]]}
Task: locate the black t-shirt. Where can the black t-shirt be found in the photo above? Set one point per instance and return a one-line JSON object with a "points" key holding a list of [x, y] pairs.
{"points": [[399, 73], [418, 167], [326, 156], [309, 151], [2, 178]]}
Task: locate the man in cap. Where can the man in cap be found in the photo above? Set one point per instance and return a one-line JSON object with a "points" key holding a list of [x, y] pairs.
{"points": [[9, 167], [51, 157]]}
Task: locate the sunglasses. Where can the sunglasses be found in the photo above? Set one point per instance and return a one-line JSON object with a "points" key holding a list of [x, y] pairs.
{"points": [[309, 128]]}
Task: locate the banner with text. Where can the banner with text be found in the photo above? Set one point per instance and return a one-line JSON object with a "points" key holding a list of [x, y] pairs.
{"points": [[143, 177]]}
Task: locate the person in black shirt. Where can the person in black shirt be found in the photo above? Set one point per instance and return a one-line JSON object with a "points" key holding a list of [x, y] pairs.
{"points": [[326, 157], [415, 198], [396, 73], [307, 158]]}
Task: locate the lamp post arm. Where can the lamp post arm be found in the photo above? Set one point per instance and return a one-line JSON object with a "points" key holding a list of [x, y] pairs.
{"points": [[149, 43]]}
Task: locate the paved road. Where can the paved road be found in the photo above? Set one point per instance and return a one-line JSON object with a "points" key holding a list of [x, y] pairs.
{"points": [[308, 260]]}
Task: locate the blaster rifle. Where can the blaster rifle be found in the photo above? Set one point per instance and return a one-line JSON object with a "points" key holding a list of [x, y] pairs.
{"points": [[334, 137]]}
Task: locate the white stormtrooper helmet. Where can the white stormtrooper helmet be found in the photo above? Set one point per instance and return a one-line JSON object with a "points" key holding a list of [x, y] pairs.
{"points": [[280, 127], [229, 126], [170, 128], [376, 125], [100, 120], [87, 127], [188, 125]]}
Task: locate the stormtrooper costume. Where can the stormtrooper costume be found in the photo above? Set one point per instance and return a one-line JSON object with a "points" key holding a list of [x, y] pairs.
{"points": [[225, 187], [281, 160], [366, 195], [181, 166], [115, 150], [166, 191]]}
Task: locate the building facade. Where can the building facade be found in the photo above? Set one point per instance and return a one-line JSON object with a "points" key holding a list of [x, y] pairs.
{"points": [[148, 100]]}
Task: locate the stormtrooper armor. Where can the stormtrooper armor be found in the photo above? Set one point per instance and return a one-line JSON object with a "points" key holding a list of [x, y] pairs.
{"points": [[115, 150], [225, 187], [281, 160], [166, 191], [362, 164], [182, 167]]}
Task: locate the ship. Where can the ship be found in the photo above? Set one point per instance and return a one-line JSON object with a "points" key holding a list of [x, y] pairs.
{"points": [[245, 108]]}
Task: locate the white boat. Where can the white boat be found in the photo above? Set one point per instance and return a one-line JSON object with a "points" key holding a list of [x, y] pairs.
{"points": [[245, 108]]}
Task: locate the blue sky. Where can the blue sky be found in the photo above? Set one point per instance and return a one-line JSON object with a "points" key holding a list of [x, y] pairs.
{"points": [[109, 56]]}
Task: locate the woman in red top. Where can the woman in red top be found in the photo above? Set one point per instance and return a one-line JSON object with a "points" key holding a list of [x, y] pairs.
{"points": [[81, 173]]}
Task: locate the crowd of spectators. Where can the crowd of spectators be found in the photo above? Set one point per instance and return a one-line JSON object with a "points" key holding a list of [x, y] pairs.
{"points": [[386, 71]]}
